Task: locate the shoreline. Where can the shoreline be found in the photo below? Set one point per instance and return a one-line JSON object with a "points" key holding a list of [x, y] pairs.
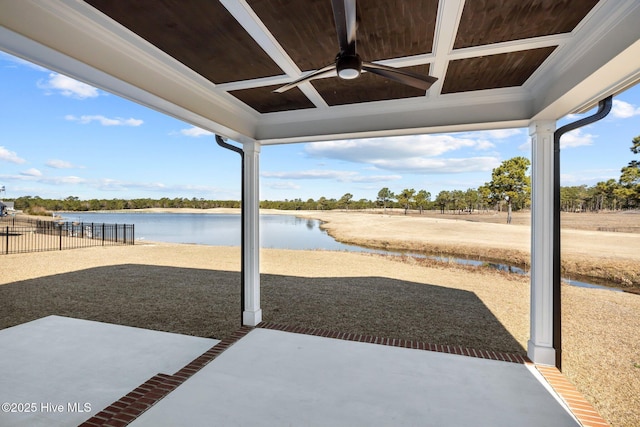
{"points": [[607, 257], [604, 257]]}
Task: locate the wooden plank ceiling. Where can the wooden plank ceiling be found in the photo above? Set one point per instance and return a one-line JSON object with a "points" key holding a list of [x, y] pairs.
{"points": [[206, 37]]}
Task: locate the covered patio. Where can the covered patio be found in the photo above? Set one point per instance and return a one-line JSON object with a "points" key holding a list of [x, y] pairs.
{"points": [[100, 374], [498, 64]]}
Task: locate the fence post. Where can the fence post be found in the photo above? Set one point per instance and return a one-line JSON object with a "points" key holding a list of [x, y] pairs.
{"points": [[103, 234], [7, 240], [60, 234], [116, 231]]}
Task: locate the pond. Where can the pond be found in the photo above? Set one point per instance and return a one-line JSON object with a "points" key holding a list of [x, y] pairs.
{"points": [[276, 231]]}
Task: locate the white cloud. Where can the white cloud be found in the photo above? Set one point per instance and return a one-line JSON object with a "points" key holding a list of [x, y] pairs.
{"points": [[572, 117], [60, 164], [31, 172], [416, 154], [66, 86], [104, 121], [619, 110], [525, 146], [195, 132], [57, 180], [402, 147], [589, 176], [573, 139], [109, 184], [287, 185], [624, 110], [341, 176], [439, 165], [311, 174], [576, 138], [34, 175], [10, 156], [376, 178]]}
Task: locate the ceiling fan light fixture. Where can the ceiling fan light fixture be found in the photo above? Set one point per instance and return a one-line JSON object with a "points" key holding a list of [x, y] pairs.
{"points": [[349, 66]]}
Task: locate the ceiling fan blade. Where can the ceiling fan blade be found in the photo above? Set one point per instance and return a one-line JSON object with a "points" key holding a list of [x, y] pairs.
{"points": [[314, 75], [409, 78], [344, 15]]}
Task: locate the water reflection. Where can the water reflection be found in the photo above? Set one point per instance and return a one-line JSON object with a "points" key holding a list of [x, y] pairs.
{"points": [[276, 231], [516, 270]]}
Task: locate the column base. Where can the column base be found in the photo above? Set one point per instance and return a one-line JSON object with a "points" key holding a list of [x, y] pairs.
{"points": [[541, 355], [251, 318]]}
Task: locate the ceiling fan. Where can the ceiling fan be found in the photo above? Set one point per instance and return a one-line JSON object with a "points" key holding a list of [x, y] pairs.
{"points": [[348, 64]]}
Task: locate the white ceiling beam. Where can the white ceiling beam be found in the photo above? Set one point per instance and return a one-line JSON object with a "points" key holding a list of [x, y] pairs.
{"points": [[259, 32], [449, 13]]}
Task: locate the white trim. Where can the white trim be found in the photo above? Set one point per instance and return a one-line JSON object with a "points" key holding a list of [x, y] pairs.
{"points": [[540, 346], [248, 19], [252, 313]]}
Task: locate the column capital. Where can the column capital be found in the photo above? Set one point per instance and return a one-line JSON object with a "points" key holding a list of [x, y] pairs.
{"points": [[541, 126], [251, 147]]}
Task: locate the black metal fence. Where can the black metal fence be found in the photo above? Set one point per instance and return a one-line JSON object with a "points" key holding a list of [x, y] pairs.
{"points": [[20, 235]]}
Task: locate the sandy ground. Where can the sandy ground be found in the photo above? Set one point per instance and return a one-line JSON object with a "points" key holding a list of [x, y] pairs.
{"points": [[607, 257], [610, 256], [194, 290]]}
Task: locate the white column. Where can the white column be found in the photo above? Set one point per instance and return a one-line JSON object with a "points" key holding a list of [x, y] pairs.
{"points": [[252, 314], [540, 346]]}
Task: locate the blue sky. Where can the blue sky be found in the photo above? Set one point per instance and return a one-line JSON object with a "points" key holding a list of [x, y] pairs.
{"points": [[61, 138]]}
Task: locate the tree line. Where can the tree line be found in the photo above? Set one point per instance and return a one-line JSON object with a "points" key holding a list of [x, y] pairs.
{"points": [[509, 188], [607, 195]]}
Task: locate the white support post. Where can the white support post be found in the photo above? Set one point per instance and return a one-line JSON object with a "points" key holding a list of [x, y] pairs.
{"points": [[540, 346], [252, 313]]}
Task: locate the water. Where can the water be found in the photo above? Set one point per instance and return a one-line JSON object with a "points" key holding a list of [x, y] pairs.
{"points": [[517, 270], [276, 231]]}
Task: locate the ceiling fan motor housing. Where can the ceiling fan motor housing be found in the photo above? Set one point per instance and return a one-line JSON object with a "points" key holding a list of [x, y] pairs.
{"points": [[348, 66]]}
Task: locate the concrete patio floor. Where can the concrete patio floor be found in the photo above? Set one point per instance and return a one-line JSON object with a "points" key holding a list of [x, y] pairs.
{"points": [[259, 377], [57, 361]]}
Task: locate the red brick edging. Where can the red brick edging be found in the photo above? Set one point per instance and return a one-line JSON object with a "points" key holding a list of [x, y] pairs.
{"points": [[393, 342], [578, 405], [581, 409], [126, 409]]}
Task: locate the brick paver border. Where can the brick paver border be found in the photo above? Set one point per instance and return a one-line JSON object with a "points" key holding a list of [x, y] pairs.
{"points": [[575, 401], [126, 409], [393, 342]]}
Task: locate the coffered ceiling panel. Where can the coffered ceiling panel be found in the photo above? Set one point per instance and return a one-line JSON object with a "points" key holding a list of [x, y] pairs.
{"points": [[201, 34], [216, 63], [494, 21], [264, 100], [493, 71], [212, 39]]}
